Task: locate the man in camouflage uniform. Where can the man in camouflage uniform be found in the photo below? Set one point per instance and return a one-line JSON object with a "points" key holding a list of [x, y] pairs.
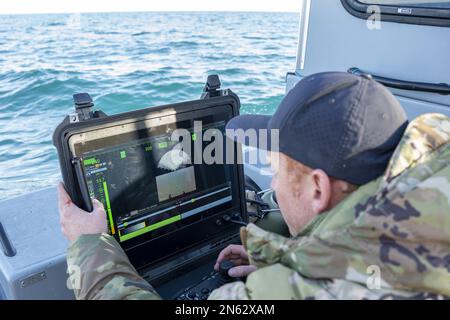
{"points": [[389, 239]]}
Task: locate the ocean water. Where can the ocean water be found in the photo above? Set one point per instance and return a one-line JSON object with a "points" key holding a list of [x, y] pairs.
{"points": [[126, 61]]}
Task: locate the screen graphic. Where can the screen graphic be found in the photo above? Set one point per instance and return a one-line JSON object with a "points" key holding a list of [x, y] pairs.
{"points": [[148, 186]]}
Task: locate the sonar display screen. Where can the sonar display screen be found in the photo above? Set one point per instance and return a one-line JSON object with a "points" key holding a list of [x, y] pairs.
{"points": [[148, 187]]}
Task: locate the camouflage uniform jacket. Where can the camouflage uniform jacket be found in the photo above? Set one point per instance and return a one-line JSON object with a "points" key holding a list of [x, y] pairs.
{"points": [[390, 239]]}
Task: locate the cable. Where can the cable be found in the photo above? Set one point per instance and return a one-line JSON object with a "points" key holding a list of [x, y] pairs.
{"points": [[227, 219], [242, 223], [257, 202], [261, 206]]}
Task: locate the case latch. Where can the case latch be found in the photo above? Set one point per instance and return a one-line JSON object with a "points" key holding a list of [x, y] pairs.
{"points": [[83, 107], [212, 87]]}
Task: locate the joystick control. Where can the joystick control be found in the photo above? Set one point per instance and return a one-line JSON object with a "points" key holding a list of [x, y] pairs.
{"points": [[203, 289], [224, 267]]}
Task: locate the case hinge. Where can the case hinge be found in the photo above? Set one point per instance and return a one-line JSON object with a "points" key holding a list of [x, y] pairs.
{"points": [[212, 88]]}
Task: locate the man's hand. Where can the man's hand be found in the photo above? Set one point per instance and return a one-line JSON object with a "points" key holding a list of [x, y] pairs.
{"points": [[239, 257], [75, 221]]}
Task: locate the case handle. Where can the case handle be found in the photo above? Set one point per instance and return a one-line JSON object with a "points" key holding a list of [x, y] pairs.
{"points": [[441, 88]]}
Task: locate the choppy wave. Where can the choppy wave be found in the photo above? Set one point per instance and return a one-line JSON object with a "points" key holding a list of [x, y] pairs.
{"points": [[142, 33], [126, 61]]}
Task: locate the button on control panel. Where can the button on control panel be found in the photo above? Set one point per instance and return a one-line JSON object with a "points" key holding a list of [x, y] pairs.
{"points": [[212, 281]]}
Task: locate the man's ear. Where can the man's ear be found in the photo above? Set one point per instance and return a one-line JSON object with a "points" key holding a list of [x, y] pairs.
{"points": [[322, 191]]}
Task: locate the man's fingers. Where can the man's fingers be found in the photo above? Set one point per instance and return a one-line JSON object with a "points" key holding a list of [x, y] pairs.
{"points": [[64, 232], [97, 205], [235, 259], [241, 271], [236, 249], [63, 197], [232, 249], [239, 261], [232, 252]]}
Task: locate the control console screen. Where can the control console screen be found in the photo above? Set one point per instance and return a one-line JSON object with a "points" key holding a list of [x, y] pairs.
{"points": [[150, 186]]}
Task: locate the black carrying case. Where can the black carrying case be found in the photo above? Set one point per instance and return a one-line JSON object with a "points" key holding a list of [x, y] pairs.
{"points": [[85, 119], [209, 233]]}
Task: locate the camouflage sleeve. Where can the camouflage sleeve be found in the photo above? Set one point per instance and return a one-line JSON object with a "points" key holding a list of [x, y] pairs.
{"points": [[99, 269], [275, 282]]}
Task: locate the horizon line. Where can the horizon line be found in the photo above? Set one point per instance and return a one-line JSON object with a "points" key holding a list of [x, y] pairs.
{"points": [[145, 11]]}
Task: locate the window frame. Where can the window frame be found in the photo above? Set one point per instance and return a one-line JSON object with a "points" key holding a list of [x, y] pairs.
{"points": [[409, 14]]}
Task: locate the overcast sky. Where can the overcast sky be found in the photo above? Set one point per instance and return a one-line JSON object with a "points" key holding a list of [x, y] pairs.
{"points": [[71, 6]]}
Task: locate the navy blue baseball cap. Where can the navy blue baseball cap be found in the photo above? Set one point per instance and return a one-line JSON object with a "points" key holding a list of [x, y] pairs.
{"points": [[344, 124]]}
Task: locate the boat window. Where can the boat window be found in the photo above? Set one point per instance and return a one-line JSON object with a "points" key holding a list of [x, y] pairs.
{"points": [[425, 12]]}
